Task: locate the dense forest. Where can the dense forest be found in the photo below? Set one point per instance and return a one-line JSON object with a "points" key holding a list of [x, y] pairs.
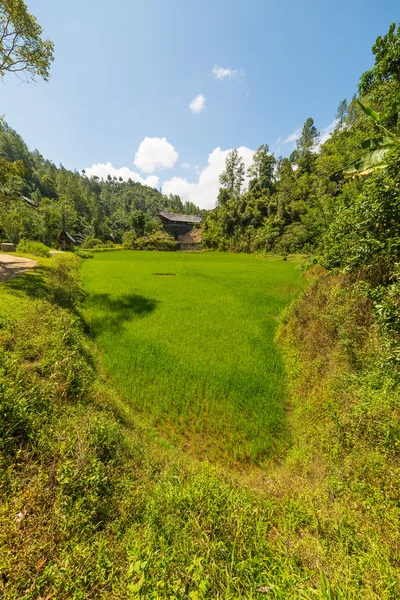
{"points": [[88, 208]]}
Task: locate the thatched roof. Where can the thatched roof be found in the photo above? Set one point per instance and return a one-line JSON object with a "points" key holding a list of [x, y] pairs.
{"points": [[170, 216]]}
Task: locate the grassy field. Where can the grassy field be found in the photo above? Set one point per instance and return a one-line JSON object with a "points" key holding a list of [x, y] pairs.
{"points": [[189, 340], [95, 504]]}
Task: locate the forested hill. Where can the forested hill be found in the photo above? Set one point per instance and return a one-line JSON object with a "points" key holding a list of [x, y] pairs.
{"points": [[290, 202], [65, 199]]}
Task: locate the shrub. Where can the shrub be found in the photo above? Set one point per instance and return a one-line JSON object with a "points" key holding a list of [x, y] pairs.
{"points": [[92, 242], [156, 241], [128, 239], [64, 280], [35, 248], [83, 254]]}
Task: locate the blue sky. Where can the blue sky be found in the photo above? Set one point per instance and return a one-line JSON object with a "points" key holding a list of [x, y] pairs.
{"points": [[128, 70]]}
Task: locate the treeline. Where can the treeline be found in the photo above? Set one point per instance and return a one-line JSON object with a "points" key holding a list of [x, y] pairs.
{"points": [[56, 199], [291, 203]]}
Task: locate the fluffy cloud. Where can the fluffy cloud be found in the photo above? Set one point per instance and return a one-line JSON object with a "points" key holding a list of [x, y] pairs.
{"points": [[198, 104], [155, 153], [222, 73], [102, 170], [204, 193], [185, 165]]}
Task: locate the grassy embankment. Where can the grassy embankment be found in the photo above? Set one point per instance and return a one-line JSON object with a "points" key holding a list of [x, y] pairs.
{"points": [[189, 340], [108, 510]]}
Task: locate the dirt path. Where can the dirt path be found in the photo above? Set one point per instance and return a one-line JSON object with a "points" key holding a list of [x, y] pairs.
{"points": [[11, 266]]}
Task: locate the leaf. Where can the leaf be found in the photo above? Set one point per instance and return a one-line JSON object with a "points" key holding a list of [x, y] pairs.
{"points": [[367, 163], [377, 142], [368, 111], [377, 118]]}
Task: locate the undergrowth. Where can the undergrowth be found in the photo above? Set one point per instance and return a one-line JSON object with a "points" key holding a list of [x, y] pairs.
{"points": [[95, 505], [35, 248]]}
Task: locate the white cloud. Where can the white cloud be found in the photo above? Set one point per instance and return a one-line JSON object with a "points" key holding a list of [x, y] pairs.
{"points": [[185, 165], [204, 193], [155, 153], [223, 73], [198, 104], [293, 136], [326, 132], [101, 170]]}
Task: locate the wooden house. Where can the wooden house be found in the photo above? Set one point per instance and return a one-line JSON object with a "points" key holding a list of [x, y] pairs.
{"points": [[66, 241], [176, 224]]}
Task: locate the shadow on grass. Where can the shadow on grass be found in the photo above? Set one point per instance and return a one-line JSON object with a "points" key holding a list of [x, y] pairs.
{"points": [[111, 313], [31, 284]]}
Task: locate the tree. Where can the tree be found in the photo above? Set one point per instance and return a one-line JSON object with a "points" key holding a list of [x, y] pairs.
{"points": [[233, 177], [138, 221], [381, 84], [261, 172], [306, 145], [23, 50], [309, 137], [341, 112]]}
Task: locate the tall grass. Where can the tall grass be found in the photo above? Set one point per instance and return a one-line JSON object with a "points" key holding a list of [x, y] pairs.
{"points": [[189, 340], [35, 248]]}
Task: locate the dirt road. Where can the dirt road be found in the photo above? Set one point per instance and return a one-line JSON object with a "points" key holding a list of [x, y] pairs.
{"points": [[11, 266]]}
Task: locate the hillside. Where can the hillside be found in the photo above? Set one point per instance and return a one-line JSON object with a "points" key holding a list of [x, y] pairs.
{"points": [[85, 207]]}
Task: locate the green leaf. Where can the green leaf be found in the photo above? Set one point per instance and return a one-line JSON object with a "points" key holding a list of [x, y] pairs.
{"points": [[367, 163], [377, 143], [368, 111]]}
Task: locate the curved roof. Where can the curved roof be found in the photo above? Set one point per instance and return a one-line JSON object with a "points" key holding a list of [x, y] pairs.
{"points": [[170, 216]]}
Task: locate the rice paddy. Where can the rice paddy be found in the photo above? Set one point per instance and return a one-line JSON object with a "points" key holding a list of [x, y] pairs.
{"points": [[188, 339]]}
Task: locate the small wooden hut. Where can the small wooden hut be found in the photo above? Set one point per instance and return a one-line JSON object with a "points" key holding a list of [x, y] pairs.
{"points": [[66, 241], [176, 224]]}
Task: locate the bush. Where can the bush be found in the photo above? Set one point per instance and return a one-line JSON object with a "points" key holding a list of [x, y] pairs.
{"points": [[35, 248], [83, 254], [128, 239], [92, 242], [156, 241], [64, 280]]}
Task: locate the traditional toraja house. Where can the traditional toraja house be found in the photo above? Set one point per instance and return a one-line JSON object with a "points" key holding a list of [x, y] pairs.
{"points": [[66, 241], [177, 225]]}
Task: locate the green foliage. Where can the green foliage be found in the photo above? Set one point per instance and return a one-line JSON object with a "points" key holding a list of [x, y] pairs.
{"points": [[159, 240], [22, 48], [306, 145], [382, 83], [345, 401], [35, 248], [128, 239], [364, 233], [83, 254], [91, 242], [89, 209], [232, 178], [261, 172]]}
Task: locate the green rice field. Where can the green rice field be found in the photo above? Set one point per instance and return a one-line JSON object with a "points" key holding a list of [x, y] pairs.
{"points": [[188, 339]]}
